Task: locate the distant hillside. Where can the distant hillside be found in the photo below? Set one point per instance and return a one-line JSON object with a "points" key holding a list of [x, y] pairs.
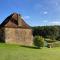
{"points": [[52, 32]]}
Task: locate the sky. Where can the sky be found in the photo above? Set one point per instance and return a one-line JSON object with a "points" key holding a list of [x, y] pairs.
{"points": [[34, 12]]}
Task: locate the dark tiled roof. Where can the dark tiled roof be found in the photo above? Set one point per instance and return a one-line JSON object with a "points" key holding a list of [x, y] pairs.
{"points": [[14, 21]]}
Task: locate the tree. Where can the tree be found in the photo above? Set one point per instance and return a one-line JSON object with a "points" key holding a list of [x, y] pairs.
{"points": [[50, 32], [38, 41]]}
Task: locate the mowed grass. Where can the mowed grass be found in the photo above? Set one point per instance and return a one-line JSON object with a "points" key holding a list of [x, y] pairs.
{"points": [[16, 52]]}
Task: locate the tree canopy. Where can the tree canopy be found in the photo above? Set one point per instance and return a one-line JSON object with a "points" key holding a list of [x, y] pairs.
{"points": [[52, 32]]}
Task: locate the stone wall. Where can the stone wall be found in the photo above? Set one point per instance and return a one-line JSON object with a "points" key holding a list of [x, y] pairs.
{"points": [[18, 36]]}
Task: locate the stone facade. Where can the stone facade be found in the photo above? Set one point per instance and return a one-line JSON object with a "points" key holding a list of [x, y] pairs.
{"points": [[19, 36], [15, 33]]}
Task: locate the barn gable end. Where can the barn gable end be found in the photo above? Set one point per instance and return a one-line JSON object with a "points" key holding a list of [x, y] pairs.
{"points": [[14, 20], [14, 30]]}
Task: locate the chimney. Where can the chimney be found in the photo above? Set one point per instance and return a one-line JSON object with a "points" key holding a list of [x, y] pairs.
{"points": [[19, 20]]}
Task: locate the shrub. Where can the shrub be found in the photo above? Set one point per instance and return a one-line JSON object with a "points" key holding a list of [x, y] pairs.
{"points": [[38, 41], [56, 44], [50, 45], [53, 44]]}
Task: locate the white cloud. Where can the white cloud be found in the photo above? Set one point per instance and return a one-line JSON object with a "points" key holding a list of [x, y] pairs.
{"points": [[45, 12], [57, 3], [55, 22], [26, 17], [45, 21]]}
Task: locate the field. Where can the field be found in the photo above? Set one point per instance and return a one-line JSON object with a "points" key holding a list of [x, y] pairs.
{"points": [[16, 52]]}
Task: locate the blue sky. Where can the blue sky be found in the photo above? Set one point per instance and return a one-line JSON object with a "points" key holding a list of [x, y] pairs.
{"points": [[34, 12]]}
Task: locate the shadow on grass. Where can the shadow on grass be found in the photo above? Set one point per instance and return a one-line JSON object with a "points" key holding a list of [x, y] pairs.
{"points": [[31, 47]]}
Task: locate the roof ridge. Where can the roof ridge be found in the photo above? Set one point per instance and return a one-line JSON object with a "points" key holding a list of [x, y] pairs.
{"points": [[14, 21]]}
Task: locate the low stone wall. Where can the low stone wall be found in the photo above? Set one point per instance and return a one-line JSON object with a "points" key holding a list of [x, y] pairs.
{"points": [[18, 36]]}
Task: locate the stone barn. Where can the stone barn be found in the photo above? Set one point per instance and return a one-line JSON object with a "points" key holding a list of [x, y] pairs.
{"points": [[14, 30]]}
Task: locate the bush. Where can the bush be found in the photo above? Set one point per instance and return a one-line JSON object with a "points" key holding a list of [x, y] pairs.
{"points": [[56, 44], [50, 45], [53, 44], [38, 41]]}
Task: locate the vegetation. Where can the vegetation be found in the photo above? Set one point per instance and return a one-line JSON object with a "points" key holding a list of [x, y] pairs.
{"points": [[15, 52], [56, 44], [51, 32], [38, 41]]}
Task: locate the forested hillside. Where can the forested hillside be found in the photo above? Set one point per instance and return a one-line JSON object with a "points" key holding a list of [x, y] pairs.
{"points": [[52, 32]]}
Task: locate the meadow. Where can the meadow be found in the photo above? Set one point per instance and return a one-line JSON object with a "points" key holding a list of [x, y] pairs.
{"points": [[17, 52]]}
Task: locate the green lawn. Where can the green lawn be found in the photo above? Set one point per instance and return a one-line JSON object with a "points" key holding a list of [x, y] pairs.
{"points": [[15, 52]]}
